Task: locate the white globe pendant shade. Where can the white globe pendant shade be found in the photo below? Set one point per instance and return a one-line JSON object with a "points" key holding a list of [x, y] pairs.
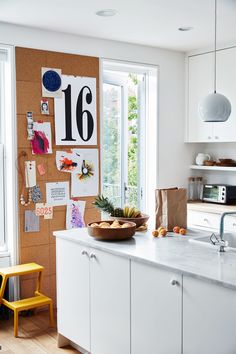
{"points": [[214, 107]]}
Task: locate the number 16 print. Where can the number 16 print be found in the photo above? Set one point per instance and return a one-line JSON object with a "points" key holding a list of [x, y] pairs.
{"points": [[75, 112]]}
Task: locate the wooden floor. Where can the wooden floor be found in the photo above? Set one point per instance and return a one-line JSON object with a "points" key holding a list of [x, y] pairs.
{"points": [[35, 336]]}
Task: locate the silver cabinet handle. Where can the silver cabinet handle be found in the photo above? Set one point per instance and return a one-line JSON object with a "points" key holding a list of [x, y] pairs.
{"points": [[209, 137], [216, 137], [92, 255], [174, 282], [205, 220], [84, 253]]}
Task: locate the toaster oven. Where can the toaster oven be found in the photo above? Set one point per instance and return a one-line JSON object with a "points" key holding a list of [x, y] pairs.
{"points": [[219, 193]]}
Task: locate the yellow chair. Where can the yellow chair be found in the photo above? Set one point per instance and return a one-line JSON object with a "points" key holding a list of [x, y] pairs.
{"points": [[26, 304]]}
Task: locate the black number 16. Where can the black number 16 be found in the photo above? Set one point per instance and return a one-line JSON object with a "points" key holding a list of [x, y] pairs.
{"points": [[79, 114]]}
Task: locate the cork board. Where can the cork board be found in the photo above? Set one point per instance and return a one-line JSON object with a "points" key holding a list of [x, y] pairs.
{"points": [[40, 246]]}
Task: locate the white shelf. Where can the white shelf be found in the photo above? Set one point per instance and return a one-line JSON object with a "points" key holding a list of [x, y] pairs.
{"points": [[213, 168]]}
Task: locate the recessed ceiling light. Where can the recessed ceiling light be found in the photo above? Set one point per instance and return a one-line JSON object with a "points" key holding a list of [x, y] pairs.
{"points": [[185, 29], [106, 13]]}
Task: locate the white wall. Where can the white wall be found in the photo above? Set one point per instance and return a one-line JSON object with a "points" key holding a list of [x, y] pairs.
{"points": [[174, 155]]}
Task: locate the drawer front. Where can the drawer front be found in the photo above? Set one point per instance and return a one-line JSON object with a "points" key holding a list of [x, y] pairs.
{"points": [[204, 220]]}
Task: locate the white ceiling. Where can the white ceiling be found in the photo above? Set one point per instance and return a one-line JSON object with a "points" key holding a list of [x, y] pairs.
{"points": [[148, 22]]}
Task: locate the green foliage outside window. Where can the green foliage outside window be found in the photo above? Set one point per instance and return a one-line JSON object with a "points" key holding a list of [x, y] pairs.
{"points": [[111, 144]]}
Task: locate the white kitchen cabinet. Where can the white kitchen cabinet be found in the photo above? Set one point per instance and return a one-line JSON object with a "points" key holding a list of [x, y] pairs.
{"points": [[110, 304], [209, 317], [210, 221], [200, 83], [203, 220], [230, 223], [226, 84], [93, 296], [73, 308], [156, 300]]}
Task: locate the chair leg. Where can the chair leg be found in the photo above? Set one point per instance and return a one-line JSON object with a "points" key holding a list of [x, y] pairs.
{"points": [[51, 314], [15, 323]]}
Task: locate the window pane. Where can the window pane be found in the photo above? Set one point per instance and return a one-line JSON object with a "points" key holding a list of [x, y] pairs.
{"points": [[111, 143], [133, 142], [2, 115], [2, 221]]}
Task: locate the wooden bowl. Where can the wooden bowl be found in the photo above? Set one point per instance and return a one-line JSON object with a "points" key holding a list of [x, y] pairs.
{"points": [[138, 221], [226, 160], [209, 163], [110, 234]]}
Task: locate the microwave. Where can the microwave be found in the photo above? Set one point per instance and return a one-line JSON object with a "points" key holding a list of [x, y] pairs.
{"points": [[219, 193]]}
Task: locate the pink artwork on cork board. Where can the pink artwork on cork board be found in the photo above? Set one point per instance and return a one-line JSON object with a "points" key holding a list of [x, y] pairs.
{"points": [[42, 141]]}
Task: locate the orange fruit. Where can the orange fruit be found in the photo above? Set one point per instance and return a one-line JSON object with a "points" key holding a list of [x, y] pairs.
{"points": [[183, 231], [176, 229], [160, 228], [163, 232], [155, 233]]}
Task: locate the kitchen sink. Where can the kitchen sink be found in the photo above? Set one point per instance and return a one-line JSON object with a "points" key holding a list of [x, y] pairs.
{"points": [[205, 240]]}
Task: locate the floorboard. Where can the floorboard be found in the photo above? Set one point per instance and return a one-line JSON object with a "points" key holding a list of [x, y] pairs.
{"points": [[35, 336]]}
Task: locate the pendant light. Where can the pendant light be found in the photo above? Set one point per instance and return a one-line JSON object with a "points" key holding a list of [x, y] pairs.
{"points": [[215, 107]]}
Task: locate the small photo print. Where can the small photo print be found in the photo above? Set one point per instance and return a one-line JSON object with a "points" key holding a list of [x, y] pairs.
{"points": [[44, 106]]}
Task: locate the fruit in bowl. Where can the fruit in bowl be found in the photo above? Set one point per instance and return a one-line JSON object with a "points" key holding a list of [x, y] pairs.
{"points": [[128, 213], [111, 230]]}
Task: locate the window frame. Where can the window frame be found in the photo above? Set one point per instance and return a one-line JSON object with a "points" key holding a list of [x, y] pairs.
{"points": [[8, 163], [116, 80], [149, 174]]}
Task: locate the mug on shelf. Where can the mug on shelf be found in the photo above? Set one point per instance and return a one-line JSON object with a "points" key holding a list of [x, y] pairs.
{"points": [[201, 158]]}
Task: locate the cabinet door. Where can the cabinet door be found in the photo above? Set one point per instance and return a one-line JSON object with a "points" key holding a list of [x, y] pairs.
{"points": [[200, 83], [226, 84], [155, 310], [110, 304], [209, 317], [73, 292]]}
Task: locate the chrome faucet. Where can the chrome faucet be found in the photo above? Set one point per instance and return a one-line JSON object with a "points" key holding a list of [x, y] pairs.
{"points": [[221, 242]]}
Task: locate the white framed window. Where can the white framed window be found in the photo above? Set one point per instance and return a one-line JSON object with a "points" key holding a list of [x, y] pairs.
{"points": [[128, 134], [3, 60], [8, 173], [2, 199]]}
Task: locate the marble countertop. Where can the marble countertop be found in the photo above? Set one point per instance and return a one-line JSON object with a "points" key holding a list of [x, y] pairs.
{"points": [[173, 252]]}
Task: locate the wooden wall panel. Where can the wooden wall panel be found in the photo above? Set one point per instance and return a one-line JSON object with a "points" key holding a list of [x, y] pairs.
{"points": [[40, 246]]}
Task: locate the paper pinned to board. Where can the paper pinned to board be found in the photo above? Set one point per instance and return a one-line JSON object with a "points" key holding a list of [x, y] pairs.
{"points": [[68, 161], [57, 193], [41, 169], [30, 174], [75, 214], [45, 210], [51, 82], [86, 182], [31, 221], [42, 140]]}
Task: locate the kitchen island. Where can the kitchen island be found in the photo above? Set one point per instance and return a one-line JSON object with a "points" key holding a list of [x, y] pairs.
{"points": [[125, 297]]}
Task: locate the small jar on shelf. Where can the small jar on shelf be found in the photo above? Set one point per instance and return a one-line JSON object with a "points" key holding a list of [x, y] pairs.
{"points": [[199, 186], [191, 188]]}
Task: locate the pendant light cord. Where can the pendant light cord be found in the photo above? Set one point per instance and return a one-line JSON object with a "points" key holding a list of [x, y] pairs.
{"points": [[215, 47]]}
